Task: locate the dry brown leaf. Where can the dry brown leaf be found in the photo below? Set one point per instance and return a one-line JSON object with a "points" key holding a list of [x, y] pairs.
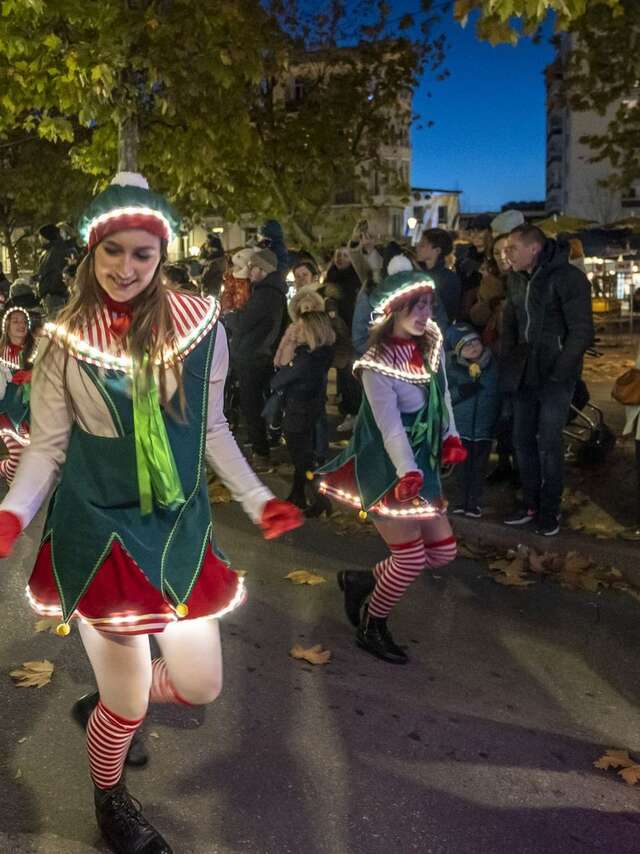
{"points": [[314, 654], [304, 576], [536, 563], [46, 624], [575, 563], [218, 493], [513, 580], [33, 674], [620, 759]]}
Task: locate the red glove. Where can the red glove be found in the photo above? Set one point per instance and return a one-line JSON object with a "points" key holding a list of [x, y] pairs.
{"points": [[10, 530], [453, 451], [21, 377], [278, 517], [408, 486]]}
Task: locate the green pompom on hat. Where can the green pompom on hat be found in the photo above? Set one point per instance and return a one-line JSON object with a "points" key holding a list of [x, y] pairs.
{"points": [[128, 203], [397, 289]]}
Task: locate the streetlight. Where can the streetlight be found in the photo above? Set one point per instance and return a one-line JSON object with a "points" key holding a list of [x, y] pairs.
{"points": [[412, 222]]}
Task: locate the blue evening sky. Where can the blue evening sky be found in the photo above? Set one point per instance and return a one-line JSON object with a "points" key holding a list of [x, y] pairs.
{"points": [[488, 139]]}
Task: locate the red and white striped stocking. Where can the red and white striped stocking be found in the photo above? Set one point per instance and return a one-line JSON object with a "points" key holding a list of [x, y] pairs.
{"points": [[440, 552], [9, 465], [395, 574], [162, 688], [108, 740]]}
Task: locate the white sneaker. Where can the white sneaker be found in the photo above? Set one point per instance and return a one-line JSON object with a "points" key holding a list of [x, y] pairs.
{"points": [[347, 425]]}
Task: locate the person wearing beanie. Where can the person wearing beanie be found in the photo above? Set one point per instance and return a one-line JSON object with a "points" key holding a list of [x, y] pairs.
{"points": [[303, 361], [51, 288], [390, 469], [126, 406], [271, 236], [473, 381], [256, 336]]}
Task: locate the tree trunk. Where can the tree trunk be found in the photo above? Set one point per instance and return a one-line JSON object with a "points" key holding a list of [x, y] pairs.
{"points": [[7, 240], [128, 140]]}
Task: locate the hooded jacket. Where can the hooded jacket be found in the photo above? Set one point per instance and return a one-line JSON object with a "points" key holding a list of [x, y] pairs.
{"points": [[547, 322], [261, 323], [272, 231]]}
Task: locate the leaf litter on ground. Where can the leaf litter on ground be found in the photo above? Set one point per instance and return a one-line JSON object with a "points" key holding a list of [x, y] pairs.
{"points": [[46, 624], [627, 768], [305, 576], [32, 674], [314, 654]]}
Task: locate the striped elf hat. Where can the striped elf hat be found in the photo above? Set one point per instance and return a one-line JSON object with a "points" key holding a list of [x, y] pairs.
{"points": [[398, 289], [127, 203]]}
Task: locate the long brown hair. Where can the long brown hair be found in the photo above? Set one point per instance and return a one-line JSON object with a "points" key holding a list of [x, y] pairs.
{"points": [[151, 331], [384, 330]]}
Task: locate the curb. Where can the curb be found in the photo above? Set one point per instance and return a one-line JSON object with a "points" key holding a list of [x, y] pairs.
{"points": [[623, 555]]}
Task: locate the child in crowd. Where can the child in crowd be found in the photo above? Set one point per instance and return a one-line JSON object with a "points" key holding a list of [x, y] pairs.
{"points": [[303, 359], [473, 382]]}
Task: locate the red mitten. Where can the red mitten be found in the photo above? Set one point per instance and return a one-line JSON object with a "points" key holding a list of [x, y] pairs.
{"points": [[21, 377], [408, 486], [453, 451], [10, 530], [278, 517]]}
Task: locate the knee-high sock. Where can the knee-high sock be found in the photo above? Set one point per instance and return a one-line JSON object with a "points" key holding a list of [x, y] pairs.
{"points": [[395, 574], [440, 552], [162, 688], [9, 465], [108, 740]]}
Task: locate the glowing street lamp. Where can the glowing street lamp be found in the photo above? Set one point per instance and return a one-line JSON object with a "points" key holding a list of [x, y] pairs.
{"points": [[412, 222]]}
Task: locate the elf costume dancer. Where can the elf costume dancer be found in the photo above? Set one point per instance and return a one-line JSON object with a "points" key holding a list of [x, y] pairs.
{"points": [[391, 467], [17, 350], [126, 406]]}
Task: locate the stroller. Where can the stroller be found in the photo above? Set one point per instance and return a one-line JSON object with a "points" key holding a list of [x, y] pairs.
{"points": [[589, 440]]}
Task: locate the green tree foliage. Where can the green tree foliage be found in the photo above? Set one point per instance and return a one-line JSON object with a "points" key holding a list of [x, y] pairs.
{"points": [[38, 186], [496, 24], [205, 89]]}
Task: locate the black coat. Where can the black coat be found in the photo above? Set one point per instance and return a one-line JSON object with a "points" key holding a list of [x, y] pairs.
{"points": [[53, 262], [343, 286], [302, 383], [260, 324], [547, 322], [448, 289]]}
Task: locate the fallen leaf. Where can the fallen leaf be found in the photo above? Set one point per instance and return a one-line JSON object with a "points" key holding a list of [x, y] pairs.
{"points": [[314, 655], [218, 493], [33, 674], [22, 740], [513, 580], [18, 774], [154, 734], [304, 576], [620, 759], [46, 624]]}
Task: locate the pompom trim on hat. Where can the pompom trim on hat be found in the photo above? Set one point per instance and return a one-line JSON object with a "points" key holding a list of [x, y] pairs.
{"points": [[400, 295]]}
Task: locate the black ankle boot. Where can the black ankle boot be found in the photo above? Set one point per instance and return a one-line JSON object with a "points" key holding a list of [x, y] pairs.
{"points": [[81, 710], [374, 636], [318, 506], [297, 496], [123, 826], [356, 586]]}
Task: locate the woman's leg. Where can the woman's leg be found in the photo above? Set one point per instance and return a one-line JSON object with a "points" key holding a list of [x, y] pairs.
{"points": [[190, 670], [9, 465], [439, 542], [394, 574], [122, 667]]}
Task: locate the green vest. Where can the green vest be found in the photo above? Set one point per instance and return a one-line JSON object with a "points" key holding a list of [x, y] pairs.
{"points": [[97, 500], [375, 474]]}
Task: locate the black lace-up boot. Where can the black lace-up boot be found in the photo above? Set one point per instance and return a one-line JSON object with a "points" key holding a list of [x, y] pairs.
{"points": [[123, 826], [81, 710], [374, 636], [356, 586]]}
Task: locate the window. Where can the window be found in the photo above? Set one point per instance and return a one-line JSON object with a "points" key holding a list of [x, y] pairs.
{"points": [[443, 215], [397, 225], [345, 197]]}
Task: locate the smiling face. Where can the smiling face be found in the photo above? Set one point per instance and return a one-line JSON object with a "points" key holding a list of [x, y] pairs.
{"points": [[411, 321], [17, 328], [125, 263], [500, 255]]}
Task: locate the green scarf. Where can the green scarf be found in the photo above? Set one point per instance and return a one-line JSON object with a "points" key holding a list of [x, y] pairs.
{"points": [[428, 425], [157, 473]]}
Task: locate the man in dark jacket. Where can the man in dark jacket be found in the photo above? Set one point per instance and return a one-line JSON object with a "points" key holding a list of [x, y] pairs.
{"points": [[547, 326], [431, 251], [253, 345], [271, 236], [51, 287]]}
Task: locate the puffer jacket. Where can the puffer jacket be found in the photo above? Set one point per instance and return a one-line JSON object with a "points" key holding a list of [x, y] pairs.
{"points": [[476, 415], [547, 322], [260, 323]]}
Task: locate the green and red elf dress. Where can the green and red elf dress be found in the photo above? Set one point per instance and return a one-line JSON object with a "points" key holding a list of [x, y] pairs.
{"points": [[404, 419], [14, 399], [128, 544]]}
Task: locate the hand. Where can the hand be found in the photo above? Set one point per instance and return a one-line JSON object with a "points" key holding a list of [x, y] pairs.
{"points": [[21, 377], [453, 451], [408, 486], [10, 530], [278, 517]]}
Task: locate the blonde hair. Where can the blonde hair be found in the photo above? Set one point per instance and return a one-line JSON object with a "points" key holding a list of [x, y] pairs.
{"points": [[151, 331], [315, 329]]}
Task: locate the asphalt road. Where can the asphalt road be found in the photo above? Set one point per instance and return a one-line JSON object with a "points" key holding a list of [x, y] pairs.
{"points": [[483, 744]]}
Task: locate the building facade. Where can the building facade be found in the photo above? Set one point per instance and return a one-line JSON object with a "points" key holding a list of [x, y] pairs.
{"points": [[574, 183]]}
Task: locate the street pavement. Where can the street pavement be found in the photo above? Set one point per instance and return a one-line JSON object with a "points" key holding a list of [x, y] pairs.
{"points": [[483, 744]]}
